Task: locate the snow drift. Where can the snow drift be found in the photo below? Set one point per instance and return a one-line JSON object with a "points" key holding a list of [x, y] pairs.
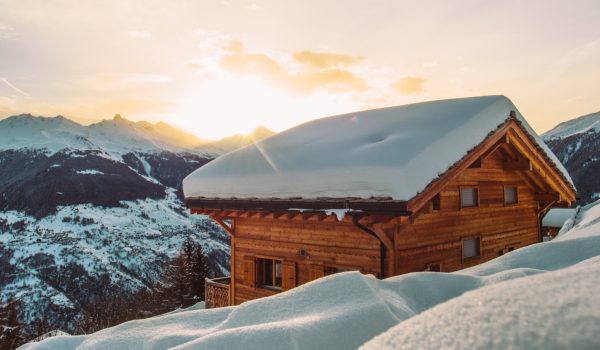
{"points": [[544, 295]]}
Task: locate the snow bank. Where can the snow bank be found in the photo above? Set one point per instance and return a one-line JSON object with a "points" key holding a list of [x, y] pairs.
{"points": [[552, 310], [556, 217], [541, 296], [392, 152]]}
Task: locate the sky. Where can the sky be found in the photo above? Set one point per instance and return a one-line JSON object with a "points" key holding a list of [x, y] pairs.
{"points": [[216, 68]]}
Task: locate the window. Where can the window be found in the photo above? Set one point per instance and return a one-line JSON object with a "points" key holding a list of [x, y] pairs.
{"points": [[510, 195], [471, 247], [434, 267], [436, 202], [469, 197], [269, 273]]}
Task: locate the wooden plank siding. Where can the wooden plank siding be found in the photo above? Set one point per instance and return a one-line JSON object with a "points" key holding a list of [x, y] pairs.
{"points": [[331, 244], [436, 236]]}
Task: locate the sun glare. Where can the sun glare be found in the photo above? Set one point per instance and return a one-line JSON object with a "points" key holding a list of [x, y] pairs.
{"points": [[229, 104]]}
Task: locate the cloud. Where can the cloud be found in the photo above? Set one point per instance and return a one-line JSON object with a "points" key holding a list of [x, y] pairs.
{"points": [[333, 80], [253, 7], [304, 81], [140, 34], [244, 63], [326, 59], [409, 85], [6, 32], [13, 87]]}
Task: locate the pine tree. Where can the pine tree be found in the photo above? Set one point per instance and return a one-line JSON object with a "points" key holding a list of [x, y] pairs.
{"points": [[199, 271], [10, 327]]}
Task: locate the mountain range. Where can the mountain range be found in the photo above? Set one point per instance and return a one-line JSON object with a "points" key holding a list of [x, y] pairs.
{"points": [[576, 143], [91, 210]]}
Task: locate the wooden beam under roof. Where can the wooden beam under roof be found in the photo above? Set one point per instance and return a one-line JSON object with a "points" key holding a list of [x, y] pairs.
{"points": [[374, 205]]}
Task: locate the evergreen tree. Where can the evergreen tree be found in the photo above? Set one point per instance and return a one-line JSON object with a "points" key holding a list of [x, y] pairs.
{"points": [[199, 271], [10, 327], [182, 283]]}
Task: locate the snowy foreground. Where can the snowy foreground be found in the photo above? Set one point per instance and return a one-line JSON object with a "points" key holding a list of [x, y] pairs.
{"points": [[542, 296]]}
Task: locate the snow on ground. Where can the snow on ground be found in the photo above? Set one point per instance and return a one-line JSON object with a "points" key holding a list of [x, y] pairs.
{"points": [[390, 152], [129, 243], [541, 296], [556, 217]]}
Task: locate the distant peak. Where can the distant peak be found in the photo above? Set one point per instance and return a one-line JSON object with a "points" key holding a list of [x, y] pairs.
{"points": [[118, 118]]}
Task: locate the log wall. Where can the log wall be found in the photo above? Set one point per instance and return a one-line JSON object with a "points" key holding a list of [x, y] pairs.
{"points": [[326, 244], [431, 238], [436, 237]]}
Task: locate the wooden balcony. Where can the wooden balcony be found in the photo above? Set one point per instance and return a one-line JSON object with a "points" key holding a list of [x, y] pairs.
{"points": [[217, 292]]}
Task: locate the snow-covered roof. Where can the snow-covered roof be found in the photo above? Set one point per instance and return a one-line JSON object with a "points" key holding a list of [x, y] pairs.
{"points": [[556, 217], [391, 152]]}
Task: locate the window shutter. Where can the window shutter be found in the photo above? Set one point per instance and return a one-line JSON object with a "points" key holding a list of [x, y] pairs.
{"points": [[249, 272], [316, 271], [468, 197], [471, 247], [289, 275]]}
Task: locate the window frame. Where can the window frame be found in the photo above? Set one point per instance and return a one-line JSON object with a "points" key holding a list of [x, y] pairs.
{"points": [[516, 202], [465, 259], [261, 272], [460, 197]]}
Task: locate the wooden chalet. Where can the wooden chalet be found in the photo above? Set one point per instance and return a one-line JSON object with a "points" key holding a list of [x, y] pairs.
{"points": [[472, 187]]}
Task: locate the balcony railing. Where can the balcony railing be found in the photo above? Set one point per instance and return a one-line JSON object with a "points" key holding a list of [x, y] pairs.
{"points": [[216, 292]]}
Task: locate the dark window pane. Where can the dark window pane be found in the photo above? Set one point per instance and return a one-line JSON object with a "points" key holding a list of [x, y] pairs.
{"points": [[510, 195], [471, 248], [468, 197]]}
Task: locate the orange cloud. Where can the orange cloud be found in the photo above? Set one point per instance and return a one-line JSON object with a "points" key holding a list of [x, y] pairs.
{"points": [[304, 82], [244, 63], [325, 59], [333, 80], [409, 85]]}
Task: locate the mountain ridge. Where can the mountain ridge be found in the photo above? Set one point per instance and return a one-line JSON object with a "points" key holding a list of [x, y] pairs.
{"points": [[116, 135], [576, 143]]}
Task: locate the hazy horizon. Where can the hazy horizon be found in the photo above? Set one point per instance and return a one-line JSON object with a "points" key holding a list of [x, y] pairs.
{"points": [[218, 68]]}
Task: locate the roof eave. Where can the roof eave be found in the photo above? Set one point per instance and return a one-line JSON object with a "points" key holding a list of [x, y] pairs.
{"points": [[397, 207]]}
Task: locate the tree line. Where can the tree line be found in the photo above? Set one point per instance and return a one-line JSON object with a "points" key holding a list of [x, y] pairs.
{"points": [[181, 285]]}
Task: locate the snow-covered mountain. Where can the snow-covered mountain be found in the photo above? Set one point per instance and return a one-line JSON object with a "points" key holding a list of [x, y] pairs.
{"points": [[87, 210], [233, 142], [115, 137], [577, 144]]}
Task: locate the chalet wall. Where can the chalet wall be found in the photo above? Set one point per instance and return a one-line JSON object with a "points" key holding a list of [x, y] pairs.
{"points": [[436, 237], [428, 238], [334, 244]]}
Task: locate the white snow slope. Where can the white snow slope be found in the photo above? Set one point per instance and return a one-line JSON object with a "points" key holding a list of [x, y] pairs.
{"points": [[390, 152], [590, 122], [541, 296], [115, 137], [118, 242]]}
